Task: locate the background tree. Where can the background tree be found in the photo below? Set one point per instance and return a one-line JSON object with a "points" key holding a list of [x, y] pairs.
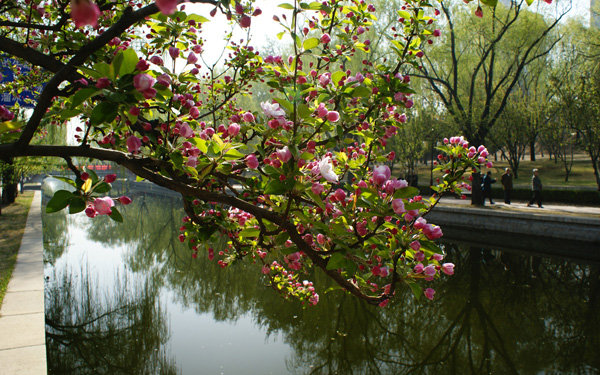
{"points": [[476, 69]]}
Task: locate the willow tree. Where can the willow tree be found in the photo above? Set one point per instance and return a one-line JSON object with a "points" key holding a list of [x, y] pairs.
{"points": [[484, 54]]}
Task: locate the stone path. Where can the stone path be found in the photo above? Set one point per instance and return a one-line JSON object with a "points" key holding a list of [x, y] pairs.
{"points": [[22, 325]]}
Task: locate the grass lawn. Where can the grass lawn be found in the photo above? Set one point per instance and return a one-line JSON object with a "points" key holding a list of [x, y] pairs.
{"points": [[551, 173], [12, 225]]}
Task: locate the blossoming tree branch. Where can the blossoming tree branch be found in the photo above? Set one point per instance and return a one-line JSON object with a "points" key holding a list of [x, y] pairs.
{"points": [[300, 183]]}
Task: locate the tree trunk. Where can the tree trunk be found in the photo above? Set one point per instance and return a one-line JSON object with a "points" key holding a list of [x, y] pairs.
{"points": [[9, 187], [532, 150]]}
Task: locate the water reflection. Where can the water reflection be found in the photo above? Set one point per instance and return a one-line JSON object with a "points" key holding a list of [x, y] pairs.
{"points": [[502, 313]]}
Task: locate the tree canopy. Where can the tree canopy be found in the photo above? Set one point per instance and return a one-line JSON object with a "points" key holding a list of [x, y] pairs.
{"points": [[268, 182]]}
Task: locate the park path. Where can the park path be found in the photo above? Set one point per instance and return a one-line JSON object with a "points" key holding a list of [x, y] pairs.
{"points": [[22, 325]]}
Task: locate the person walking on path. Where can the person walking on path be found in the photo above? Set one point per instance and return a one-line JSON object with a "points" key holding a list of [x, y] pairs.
{"points": [[536, 188], [507, 184], [486, 186]]}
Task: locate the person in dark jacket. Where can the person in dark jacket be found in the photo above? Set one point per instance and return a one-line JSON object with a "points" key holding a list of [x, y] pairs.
{"points": [[507, 184], [486, 187], [536, 188]]}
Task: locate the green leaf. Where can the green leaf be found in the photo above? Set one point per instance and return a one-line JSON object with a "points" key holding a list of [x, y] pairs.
{"points": [[337, 76], [249, 232], [196, 17], [307, 156], [303, 111], [90, 72], [67, 180], [492, 3], [406, 192], [59, 201], [116, 215], [83, 95], [310, 43], [76, 205], [102, 68], [337, 260], [285, 104], [9, 125], [361, 92], [103, 112], [130, 60], [233, 154], [286, 6], [416, 289], [275, 187], [103, 187], [317, 199]]}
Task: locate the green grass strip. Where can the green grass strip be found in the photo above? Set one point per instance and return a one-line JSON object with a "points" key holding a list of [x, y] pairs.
{"points": [[12, 226]]}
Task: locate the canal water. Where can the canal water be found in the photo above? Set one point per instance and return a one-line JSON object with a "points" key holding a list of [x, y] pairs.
{"points": [[130, 299]]}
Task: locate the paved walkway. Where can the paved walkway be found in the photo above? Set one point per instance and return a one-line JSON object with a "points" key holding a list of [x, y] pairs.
{"points": [[521, 206], [22, 325]]}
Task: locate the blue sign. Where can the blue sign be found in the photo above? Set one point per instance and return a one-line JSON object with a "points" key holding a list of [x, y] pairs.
{"points": [[26, 98]]}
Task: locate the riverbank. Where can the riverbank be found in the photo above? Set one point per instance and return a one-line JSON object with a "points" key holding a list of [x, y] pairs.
{"points": [[557, 230], [22, 322]]}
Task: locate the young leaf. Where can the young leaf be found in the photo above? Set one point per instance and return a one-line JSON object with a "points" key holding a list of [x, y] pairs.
{"points": [[116, 215], [59, 201]]}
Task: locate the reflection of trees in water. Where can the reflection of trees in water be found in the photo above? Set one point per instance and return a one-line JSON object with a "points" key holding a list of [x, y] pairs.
{"points": [[55, 233], [500, 313], [118, 331]]}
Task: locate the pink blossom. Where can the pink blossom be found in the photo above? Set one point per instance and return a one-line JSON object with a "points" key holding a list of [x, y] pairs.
{"points": [[186, 131], [84, 12], [195, 112], [142, 65], [438, 257], [251, 161], [157, 60], [143, 82], [103, 205], [479, 12], [321, 239], [272, 110], [437, 32], [325, 38], [109, 178], [90, 212], [326, 170], [448, 268], [333, 116], [192, 162], [430, 271], [398, 206], [324, 79], [233, 129], [266, 269], [248, 117], [192, 58], [245, 21], [418, 268], [419, 255], [321, 110], [317, 188], [103, 83], [133, 144], [381, 174], [340, 195], [429, 293], [284, 154], [167, 6], [125, 200], [174, 52]]}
